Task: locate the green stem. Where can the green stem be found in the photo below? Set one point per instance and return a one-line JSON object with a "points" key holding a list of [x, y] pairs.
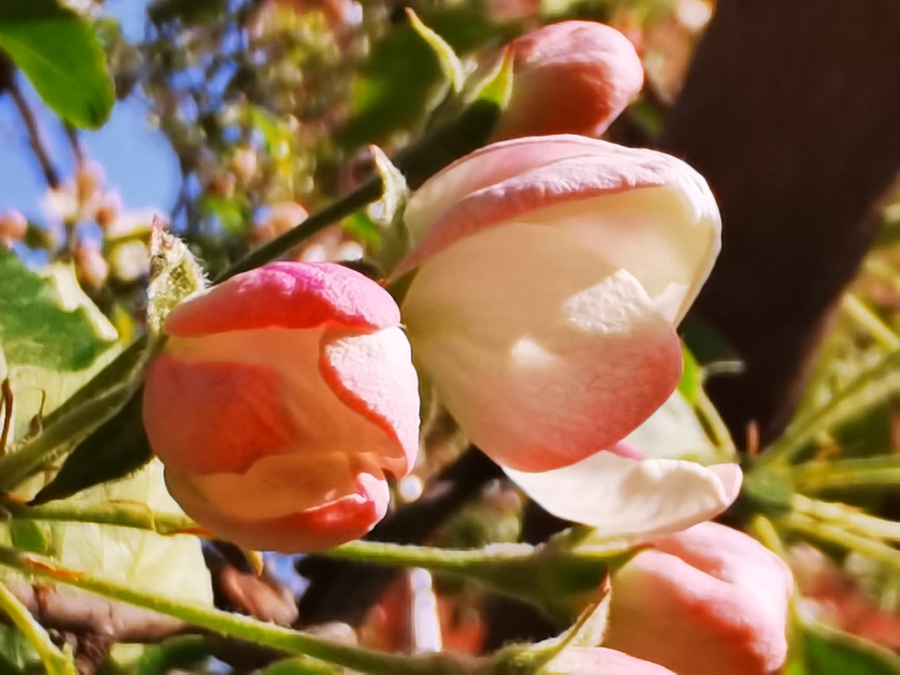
{"points": [[870, 388], [847, 517], [866, 319], [434, 559], [833, 534], [56, 438], [243, 627], [122, 514], [55, 661], [347, 205], [882, 471]]}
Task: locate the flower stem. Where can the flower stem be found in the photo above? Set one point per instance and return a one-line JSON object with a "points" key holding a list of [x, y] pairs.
{"points": [[834, 534], [869, 389], [866, 319], [55, 660], [243, 627], [847, 517], [119, 513], [434, 559], [882, 471]]}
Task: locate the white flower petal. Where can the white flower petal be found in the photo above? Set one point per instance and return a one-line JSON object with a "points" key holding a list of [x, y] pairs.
{"points": [[623, 497]]}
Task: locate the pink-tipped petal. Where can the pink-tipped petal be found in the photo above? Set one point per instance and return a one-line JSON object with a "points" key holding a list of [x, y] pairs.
{"points": [[624, 498], [646, 212], [570, 77], [240, 405], [714, 589], [318, 528], [373, 375], [285, 295], [542, 352]]}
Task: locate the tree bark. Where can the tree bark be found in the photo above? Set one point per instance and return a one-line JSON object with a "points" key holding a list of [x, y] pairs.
{"points": [[791, 110]]}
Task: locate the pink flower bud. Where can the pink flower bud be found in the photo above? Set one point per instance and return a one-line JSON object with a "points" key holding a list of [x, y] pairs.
{"points": [[13, 226], [571, 77], [706, 601], [599, 661], [552, 272], [280, 401]]}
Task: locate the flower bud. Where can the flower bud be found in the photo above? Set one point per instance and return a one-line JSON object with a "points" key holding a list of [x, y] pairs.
{"points": [[280, 402], [550, 275], [706, 601], [573, 77], [13, 226]]}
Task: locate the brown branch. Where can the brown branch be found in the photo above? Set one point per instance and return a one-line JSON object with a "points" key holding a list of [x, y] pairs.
{"points": [[790, 111], [74, 611], [35, 135]]}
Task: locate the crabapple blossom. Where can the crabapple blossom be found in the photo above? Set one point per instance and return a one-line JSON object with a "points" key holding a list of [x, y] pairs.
{"points": [[550, 274], [706, 601], [282, 399], [569, 77]]}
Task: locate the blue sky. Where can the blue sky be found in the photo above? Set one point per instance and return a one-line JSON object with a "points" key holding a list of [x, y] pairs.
{"points": [[139, 161]]}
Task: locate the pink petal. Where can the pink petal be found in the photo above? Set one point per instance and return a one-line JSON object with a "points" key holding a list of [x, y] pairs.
{"points": [[541, 351], [570, 77], [285, 295], [625, 498], [507, 180], [600, 661], [373, 375], [732, 615], [214, 416], [348, 515]]}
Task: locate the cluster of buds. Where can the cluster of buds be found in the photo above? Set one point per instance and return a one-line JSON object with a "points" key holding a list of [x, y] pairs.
{"points": [[543, 287]]}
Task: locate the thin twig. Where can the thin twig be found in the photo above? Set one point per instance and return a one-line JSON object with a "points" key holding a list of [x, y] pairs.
{"points": [[35, 136]]}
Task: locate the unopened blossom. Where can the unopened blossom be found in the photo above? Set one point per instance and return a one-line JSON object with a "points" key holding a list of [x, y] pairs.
{"points": [[92, 267], [570, 77], [706, 601], [550, 274], [280, 218], [13, 226], [282, 400]]}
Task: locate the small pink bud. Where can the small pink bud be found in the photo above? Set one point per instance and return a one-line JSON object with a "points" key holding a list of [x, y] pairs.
{"points": [[281, 218], [92, 267], [706, 601], [280, 402], [573, 77], [13, 226], [551, 273]]}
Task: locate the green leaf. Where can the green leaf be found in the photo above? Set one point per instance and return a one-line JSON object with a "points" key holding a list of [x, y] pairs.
{"points": [[27, 535], [117, 448], [43, 322], [826, 651], [60, 54], [395, 87], [447, 59], [171, 566]]}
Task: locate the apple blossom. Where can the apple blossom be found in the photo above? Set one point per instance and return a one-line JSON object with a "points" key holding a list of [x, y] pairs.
{"points": [[706, 601], [550, 274], [569, 77], [279, 403]]}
